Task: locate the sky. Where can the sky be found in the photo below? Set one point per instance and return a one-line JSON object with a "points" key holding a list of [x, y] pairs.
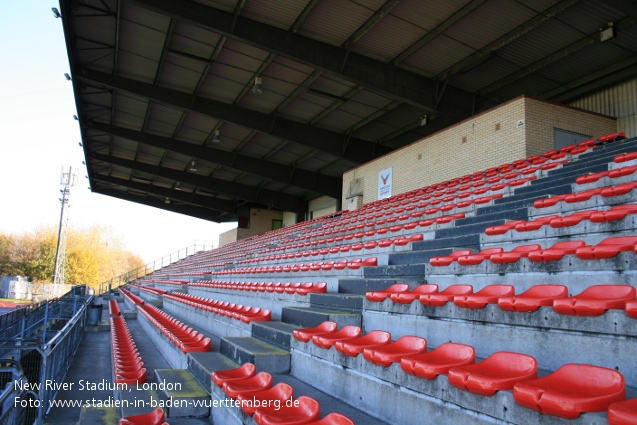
{"points": [[39, 137]]}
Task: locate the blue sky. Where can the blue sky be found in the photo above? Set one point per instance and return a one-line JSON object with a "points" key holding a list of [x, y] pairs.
{"points": [[38, 137]]}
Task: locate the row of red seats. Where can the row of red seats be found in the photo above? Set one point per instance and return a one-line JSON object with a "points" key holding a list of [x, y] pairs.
{"points": [[154, 291], [613, 174], [615, 213], [134, 299], [278, 287], [569, 391], [245, 313], [593, 301], [608, 248], [186, 339], [353, 264], [268, 404], [128, 367], [156, 417], [113, 308], [585, 195]]}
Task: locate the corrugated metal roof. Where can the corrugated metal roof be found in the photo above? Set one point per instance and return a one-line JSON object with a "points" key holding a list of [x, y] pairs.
{"points": [[278, 13]]}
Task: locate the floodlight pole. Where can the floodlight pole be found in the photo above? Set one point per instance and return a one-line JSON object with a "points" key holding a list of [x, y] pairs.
{"points": [[67, 181]]}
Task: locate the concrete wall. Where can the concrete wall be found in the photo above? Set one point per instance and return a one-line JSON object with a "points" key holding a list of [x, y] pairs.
{"points": [[227, 237], [321, 206], [516, 129], [289, 218]]}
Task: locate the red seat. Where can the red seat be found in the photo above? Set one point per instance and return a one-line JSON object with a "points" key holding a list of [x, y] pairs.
{"points": [[623, 412], [535, 224], [319, 287], [278, 394], [334, 419], [439, 361], [304, 410], [515, 254], [113, 308], [592, 177], [246, 370], [474, 259], [625, 157], [595, 300], [259, 382], [631, 308], [408, 297], [556, 252], [621, 172], [572, 219], [571, 390], [499, 371], [446, 260], [380, 296], [437, 299], [487, 295], [613, 214], [607, 248], [502, 228], [156, 417], [621, 189], [533, 298], [306, 334], [387, 354], [353, 347], [582, 196], [549, 202], [347, 332]]}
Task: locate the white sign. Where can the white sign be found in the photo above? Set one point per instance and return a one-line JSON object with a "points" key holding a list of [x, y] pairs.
{"points": [[384, 183]]}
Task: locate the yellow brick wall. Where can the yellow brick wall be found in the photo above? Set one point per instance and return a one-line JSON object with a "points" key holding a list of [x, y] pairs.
{"points": [[486, 140], [260, 222]]}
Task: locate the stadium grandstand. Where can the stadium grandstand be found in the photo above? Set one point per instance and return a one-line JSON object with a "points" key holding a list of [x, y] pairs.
{"points": [[436, 206]]}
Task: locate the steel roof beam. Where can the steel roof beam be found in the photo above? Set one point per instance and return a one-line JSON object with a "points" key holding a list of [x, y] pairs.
{"points": [[265, 197], [193, 211], [216, 204], [304, 179], [358, 150], [373, 74]]}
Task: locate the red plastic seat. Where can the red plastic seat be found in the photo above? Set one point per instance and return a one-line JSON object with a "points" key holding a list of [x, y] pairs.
{"points": [[608, 248], [259, 382], [387, 354], [353, 347], [572, 219], [474, 259], [113, 308], [556, 252], [334, 419], [620, 189], [533, 298], [251, 402], [595, 300], [623, 171], [549, 202], [499, 371], [487, 295], [439, 361], [380, 296], [319, 287], [347, 332], [613, 214], [246, 370], [408, 297], [535, 224], [515, 254], [502, 228], [306, 410], [446, 260], [623, 412], [592, 177], [625, 157], [631, 308], [437, 299], [571, 390], [156, 417], [306, 334]]}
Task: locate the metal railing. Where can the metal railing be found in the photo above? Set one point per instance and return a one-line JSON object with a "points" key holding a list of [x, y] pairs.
{"points": [[154, 266], [44, 343], [14, 389]]}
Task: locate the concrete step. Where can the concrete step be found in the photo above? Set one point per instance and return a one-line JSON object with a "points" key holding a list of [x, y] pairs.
{"points": [[308, 317], [466, 242], [418, 257], [266, 357], [93, 415], [275, 333], [361, 286], [349, 302], [180, 395], [201, 365]]}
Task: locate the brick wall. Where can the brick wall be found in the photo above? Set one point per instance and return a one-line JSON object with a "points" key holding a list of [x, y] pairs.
{"points": [[516, 129], [260, 222]]}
